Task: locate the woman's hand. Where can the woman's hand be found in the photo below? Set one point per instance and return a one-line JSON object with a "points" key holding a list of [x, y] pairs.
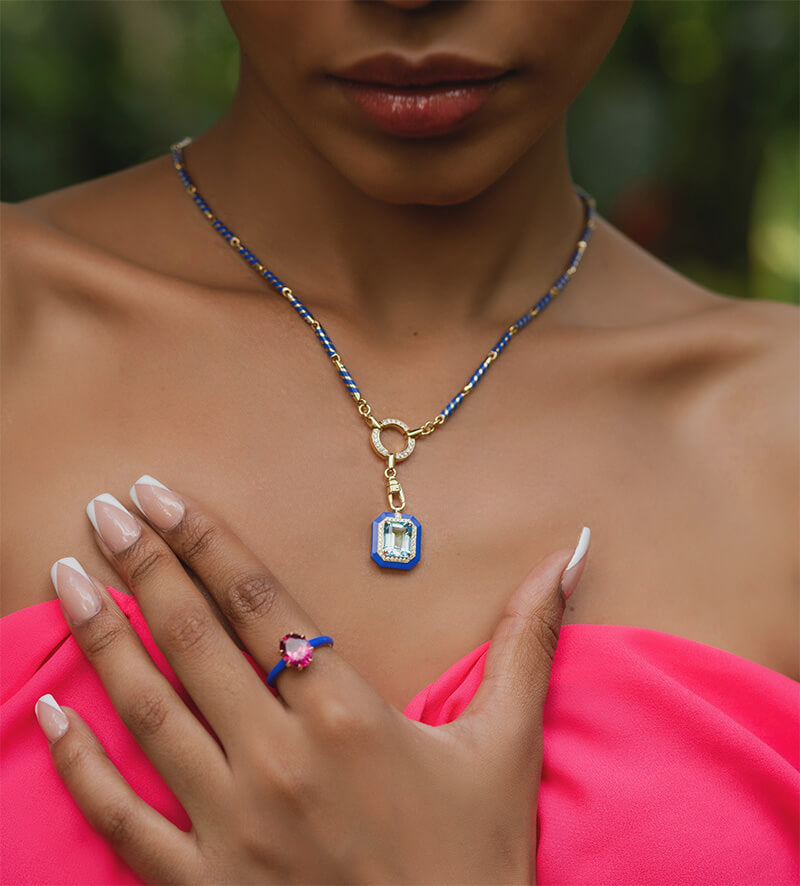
{"points": [[326, 782]]}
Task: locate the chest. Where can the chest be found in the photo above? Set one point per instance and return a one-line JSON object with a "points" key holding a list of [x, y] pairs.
{"points": [[272, 443]]}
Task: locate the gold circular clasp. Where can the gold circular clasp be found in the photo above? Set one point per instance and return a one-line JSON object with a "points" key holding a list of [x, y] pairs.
{"points": [[401, 426]]}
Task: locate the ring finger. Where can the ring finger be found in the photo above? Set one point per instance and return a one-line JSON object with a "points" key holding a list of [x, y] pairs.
{"points": [[259, 609]]}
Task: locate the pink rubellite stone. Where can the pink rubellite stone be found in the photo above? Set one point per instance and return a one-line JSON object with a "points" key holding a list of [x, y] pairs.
{"points": [[296, 650]]}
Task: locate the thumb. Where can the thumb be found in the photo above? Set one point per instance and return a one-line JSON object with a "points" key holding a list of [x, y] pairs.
{"points": [[510, 700]]}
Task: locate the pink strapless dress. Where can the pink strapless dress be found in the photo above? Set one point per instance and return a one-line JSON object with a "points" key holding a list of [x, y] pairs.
{"points": [[666, 761]]}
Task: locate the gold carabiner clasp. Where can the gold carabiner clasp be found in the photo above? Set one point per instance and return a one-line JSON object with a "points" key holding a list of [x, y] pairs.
{"points": [[396, 493], [393, 487]]}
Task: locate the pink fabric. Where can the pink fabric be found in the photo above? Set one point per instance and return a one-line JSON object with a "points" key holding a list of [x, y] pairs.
{"points": [[665, 760]]}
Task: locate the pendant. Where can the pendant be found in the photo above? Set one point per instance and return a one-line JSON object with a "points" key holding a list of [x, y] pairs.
{"points": [[396, 537], [396, 540]]}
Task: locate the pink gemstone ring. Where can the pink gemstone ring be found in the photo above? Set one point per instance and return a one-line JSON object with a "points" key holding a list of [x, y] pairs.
{"points": [[296, 652]]}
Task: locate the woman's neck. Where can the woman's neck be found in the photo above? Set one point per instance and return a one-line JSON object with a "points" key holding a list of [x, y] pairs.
{"points": [[404, 265]]}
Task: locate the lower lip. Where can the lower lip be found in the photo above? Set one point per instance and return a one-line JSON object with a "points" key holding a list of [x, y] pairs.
{"points": [[420, 111]]}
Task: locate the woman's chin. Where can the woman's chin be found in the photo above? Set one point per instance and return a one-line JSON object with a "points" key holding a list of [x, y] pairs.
{"points": [[434, 181]]}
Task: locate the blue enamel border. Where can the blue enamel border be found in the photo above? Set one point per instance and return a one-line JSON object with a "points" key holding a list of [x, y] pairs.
{"points": [[388, 564]]}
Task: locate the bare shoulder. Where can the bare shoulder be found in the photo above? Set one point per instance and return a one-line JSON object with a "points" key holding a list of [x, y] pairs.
{"points": [[759, 389], [47, 237], [105, 237], [30, 275], [763, 405], [117, 214], [729, 367], [735, 359], [746, 420], [76, 290], [735, 367], [716, 379], [88, 252], [50, 281]]}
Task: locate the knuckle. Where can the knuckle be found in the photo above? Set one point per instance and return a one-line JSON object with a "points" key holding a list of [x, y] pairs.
{"points": [[187, 630], [103, 634], [116, 824], [335, 718], [148, 560], [544, 628], [293, 785], [256, 842], [73, 757], [339, 722], [146, 714], [250, 598], [199, 536]]}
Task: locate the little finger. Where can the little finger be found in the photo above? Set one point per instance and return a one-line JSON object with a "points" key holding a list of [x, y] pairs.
{"points": [[150, 844]]}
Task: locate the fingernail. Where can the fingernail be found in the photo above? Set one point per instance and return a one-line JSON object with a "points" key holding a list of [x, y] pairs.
{"points": [[161, 506], [75, 589], [571, 575], [118, 528], [51, 718]]}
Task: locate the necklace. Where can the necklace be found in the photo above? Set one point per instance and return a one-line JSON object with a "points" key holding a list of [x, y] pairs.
{"points": [[396, 536]]}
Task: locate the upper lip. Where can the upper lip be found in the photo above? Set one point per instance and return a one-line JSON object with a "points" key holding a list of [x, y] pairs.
{"points": [[394, 70]]}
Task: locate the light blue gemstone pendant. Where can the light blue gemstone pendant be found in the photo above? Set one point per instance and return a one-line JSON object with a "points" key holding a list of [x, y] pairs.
{"points": [[396, 540], [396, 537]]}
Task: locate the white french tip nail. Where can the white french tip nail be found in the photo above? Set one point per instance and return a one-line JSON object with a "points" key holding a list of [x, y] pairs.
{"points": [[52, 719], [48, 699], [582, 548], [67, 561], [109, 499], [145, 478]]}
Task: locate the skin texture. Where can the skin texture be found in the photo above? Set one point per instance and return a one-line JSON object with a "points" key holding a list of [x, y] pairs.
{"points": [[660, 414]]}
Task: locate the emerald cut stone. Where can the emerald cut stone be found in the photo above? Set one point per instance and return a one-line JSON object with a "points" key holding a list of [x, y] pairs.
{"points": [[396, 540], [397, 537]]}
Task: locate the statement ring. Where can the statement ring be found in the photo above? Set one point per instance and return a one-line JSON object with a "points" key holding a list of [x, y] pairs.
{"points": [[296, 652]]}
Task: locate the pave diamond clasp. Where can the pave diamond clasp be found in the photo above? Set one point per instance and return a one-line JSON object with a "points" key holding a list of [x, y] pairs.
{"points": [[404, 429]]}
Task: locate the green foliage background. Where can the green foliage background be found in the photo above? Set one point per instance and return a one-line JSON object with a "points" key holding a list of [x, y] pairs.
{"points": [[687, 135]]}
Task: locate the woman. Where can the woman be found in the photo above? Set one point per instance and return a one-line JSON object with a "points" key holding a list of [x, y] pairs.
{"points": [[415, 222]]}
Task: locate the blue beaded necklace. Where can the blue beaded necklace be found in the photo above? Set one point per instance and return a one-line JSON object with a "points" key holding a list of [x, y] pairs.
{"points": [[396, 536]]}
